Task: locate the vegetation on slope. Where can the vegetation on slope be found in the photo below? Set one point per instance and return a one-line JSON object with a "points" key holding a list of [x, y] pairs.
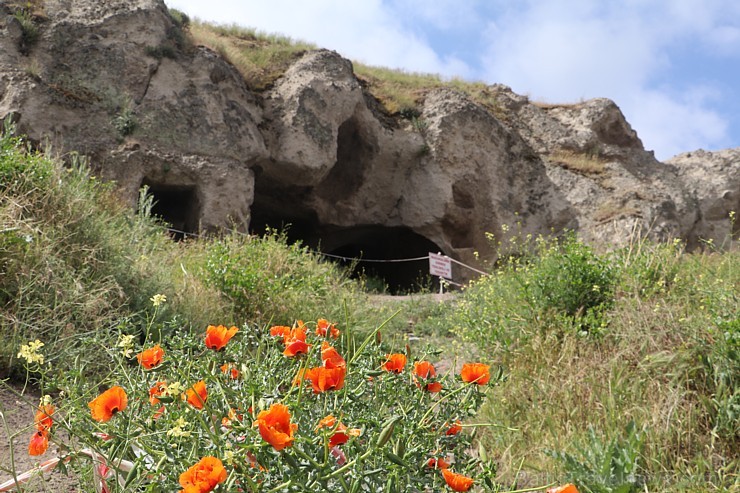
{"points": [[622, 368]]}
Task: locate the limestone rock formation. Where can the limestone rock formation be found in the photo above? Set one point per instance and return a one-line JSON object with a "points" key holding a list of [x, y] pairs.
{"points": [[714, 178], [120, 82], [116, 81]]}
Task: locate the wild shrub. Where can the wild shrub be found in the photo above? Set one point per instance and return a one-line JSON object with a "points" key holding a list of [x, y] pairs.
{"points": [[303, 407], [550, 284], [20, 168], [265, 278]]}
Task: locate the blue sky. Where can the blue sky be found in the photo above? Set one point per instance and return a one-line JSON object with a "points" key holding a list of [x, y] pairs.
{"points": [[672, 66]]}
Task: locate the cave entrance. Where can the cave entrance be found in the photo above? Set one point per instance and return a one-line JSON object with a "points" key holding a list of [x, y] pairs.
{"points": [[177, 205], [380, 250]]}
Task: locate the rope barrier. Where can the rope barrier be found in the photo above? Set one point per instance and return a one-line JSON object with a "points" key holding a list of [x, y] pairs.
{"points": [[352, 259], [415, 259]]}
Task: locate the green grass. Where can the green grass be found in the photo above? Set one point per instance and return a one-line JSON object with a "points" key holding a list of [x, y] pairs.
{"points": [[262, 58], [663, 354]]}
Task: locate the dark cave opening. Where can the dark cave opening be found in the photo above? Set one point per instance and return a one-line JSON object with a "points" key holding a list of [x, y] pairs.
{"points": [[367, 243], [177, 205], [392, 258]]}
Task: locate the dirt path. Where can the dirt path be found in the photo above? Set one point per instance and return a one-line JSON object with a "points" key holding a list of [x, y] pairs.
{"points": [[17, 417]]}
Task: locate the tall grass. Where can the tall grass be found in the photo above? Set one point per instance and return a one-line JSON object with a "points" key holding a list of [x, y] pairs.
{"points": [[260, 58], [643, 397]]}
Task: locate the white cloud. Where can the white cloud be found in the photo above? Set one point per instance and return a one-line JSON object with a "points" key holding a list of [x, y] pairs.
{"points": [[554, 50], [671, 125], [367, 31], [563, 51]]}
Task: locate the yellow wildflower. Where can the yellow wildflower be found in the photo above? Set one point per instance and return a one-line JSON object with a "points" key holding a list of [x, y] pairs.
{"points": [[30, 352]]}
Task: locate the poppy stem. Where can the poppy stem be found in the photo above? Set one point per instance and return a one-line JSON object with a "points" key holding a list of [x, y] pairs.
{"points": [[371, 336], [310, 459], [436, 404], [10, 444], [281, 486]]}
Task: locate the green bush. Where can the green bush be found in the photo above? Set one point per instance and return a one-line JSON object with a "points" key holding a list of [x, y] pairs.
{"points": [[562, 284], [570, 280], [20, 169], [266, 278]]}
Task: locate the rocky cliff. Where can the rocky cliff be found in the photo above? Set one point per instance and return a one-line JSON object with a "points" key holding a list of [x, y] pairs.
{"points": [[120, 82]]}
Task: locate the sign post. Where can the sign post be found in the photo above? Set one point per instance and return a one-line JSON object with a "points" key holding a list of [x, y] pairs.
{"points": [[441, 266]]}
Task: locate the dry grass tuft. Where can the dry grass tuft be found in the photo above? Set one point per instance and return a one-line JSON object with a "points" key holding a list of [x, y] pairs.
{"points": [[579, 162]]}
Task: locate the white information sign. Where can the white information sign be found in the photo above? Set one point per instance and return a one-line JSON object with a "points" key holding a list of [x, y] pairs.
{"points": [[440, 265]]}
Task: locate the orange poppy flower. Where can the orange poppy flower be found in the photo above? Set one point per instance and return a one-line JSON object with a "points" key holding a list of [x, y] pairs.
{"points": [[157, 389], [232, 416], [151, 357], [204, 476], [323, 379], [230, 368], [323, 327], [296, 347], [217, 336], [457, 482], [43, 420], [330, 357], [433, 387], [341, 432], [279, 331], [107, 404], [438, 463], [477, 373], [566, 488], [454, 429], [395, 363], [197, 395], [275, 426], [39, 443], [424, 370]]}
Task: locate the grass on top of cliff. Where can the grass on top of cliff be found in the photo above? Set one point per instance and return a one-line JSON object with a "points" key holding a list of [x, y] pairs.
{"points": [[263, 58]]}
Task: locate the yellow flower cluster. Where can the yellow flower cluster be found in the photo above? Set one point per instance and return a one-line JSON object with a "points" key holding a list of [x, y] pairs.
{"points": [[30, 352], [126, 343]]}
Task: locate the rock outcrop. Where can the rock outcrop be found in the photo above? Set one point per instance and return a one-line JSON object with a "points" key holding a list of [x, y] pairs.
{"points": [[115, 81], [713, 178], [119, 82]]}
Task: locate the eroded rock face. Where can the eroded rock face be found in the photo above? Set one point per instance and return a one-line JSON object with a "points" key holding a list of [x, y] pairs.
{"points": [[619, 191], [119, 82], [714, 178]]}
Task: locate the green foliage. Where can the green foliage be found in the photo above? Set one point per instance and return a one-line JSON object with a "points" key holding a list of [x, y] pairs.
{"points": [[180, 18], [266, 278], [394, 426], [720, 358], [161, 51], [29, 29], [125, 121], [668, 360], [20, 169], [649, 269], [569, 279], [606, 466], [561, 284], [73, 258]]}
